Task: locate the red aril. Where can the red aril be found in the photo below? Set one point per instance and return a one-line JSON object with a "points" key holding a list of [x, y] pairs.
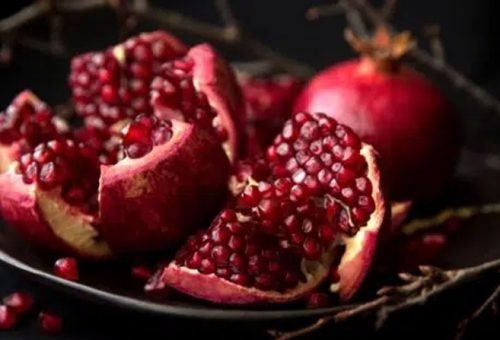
{"points": [[50, 323], [67, 268], [8, 317], [394, 108], [20, 302]]}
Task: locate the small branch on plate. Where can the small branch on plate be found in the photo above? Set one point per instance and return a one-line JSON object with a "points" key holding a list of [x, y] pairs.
{"points": [[415, 290], [489, 303], [433, 32], [461, 213]]}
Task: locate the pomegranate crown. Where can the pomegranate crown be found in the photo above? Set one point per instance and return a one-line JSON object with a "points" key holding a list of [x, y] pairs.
{"points": [[383, 47]]}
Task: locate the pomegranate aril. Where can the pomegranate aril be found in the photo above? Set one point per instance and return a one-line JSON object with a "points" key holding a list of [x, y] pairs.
{"points": [[20, 302], [66, 268], [141, 272], [318, 300], [8, 317], [312, 249], [49, 322]]}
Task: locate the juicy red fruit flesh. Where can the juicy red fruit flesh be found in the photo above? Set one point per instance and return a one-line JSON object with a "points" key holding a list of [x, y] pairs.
{"points": [[61, 163], [241, 253], [67, 268], [8, 317], [20, 302], [144, 133], [50, 323], [114, 84], [174, 95]]}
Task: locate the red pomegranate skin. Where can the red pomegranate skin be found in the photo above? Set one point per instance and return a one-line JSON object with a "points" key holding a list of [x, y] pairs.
{"points": [[401, 113]]}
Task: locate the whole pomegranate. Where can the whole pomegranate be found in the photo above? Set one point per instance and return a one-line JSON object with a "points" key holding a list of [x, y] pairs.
{"points": [[393, 107]]}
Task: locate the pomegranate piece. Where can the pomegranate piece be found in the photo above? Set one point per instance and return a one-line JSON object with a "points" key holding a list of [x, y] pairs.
{"points": [[67, 268], [174, 176], [8, 317], [394, 108], [114, 84], [279, 237], [201, 89], [50, 323], [20, 302]]}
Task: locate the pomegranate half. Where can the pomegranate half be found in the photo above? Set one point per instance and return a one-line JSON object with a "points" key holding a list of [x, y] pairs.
{"points": [[394, 108], [320, 204]]}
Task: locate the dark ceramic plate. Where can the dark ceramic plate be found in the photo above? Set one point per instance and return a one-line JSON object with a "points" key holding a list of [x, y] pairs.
{"points": [[478, 241]]}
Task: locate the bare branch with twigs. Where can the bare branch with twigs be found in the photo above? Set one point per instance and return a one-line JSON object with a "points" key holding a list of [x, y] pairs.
{"points": [[415, 290]]}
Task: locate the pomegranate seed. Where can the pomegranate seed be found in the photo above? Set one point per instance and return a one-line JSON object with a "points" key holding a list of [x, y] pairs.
{"points": [[66, 268], [20, 302], [8, 317], [141, 272], [50, 323], [318, 300]]}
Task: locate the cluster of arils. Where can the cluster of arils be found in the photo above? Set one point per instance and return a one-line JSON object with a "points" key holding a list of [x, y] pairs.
{"points": [[157, 156]]}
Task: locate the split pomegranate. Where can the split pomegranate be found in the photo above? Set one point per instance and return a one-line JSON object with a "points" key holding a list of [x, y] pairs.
{"points": [[20, 302], [154, 72], [104, 188], [396, 109], [269, 101], [278, 238], [50, 323], [67, 268]]}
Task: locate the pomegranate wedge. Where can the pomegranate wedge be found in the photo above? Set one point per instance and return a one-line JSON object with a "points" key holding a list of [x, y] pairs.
{"points": [[321, 205]]}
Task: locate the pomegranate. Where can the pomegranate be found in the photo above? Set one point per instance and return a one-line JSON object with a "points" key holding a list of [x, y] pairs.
{"points": [[66, 268], [20, 302], [278, 237], [269, 101], [8, 317], [103, 188], [155, 72], [50, 323], [396, 109]]}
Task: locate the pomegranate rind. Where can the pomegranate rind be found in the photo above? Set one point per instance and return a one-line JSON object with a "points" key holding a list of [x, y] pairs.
{"points": [[153, 202], [215, 289], [8, 154], [360, 248], [46, 221], [399, 214], [216, 79]]}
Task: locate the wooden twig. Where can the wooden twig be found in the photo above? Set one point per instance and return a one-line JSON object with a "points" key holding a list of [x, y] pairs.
{"points": [[488, 303], [435, 64], [415, 291]]}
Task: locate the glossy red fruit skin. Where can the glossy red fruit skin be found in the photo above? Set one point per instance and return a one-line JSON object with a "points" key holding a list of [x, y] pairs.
{"points": [[50, 323], [20, 302], [153, 202], [401, 113], [67, 268], [269, 101], [8, 317]]}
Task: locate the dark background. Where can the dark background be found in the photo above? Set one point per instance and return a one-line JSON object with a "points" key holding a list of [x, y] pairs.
{"points": [[470, 35]]}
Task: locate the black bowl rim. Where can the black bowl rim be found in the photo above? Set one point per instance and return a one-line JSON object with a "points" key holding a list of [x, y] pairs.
{"points": [[134, 304]]}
